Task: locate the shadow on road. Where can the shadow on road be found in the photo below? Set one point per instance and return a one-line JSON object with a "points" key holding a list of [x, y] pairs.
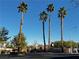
{"points": [[70, 57]]}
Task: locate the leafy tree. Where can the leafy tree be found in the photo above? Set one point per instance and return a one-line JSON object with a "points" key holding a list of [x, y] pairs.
{"points": [[23, 43], [4, 34], [14, 41], [67, 44], [78, 44], [57, 44], [61, 15], [50, 9], [9, 45], [43, 18]]}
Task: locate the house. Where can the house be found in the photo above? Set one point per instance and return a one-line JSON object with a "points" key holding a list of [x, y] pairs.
{"points": [[4, 49]]}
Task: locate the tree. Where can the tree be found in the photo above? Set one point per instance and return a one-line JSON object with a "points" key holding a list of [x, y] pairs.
{"points": [[78, 44], [23, 43], [61, 15], [9, 44], [22, 8], [14, 41], [3, 34], [66, 44], [43, 18], [50, 9]]}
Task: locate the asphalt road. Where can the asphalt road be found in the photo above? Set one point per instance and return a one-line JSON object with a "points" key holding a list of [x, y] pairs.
{"points": [[41, 56]]}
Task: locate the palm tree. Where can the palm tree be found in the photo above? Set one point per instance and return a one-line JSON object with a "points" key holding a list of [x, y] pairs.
{"points": [[61, 15], [50, 9], [21, 8], [43, 18]]}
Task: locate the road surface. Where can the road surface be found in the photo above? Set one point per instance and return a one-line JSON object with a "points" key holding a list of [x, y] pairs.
{"points": [[42, 56]]}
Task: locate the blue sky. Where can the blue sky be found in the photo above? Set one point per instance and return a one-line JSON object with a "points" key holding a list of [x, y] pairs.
{"points": [[32, 27]]}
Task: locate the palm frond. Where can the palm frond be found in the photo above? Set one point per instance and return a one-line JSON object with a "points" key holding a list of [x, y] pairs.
{"points": [[50, 7], [43, 16], [22, 7], [62, 12]]}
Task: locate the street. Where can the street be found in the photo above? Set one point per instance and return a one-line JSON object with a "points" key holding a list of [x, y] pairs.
{"points": [[41, 56]]}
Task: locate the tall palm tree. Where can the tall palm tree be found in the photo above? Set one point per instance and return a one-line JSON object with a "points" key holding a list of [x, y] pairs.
{"points": [[61, 15], [21, 8], [50, 9], [43, 18]]}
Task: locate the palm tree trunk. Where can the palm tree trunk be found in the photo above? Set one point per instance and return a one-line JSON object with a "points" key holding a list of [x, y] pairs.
{"points": [[49, 34], [44, 36], [62, 34], [20, 33], [21, 24]]}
